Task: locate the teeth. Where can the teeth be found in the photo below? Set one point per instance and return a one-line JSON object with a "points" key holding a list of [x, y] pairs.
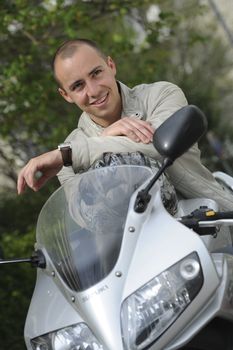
{"points": [[100, 100]]}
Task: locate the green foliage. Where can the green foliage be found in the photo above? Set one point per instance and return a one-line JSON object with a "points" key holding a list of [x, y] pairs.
{"points": [[19, 213], [17, 238], [178, 46], [17, 283]]}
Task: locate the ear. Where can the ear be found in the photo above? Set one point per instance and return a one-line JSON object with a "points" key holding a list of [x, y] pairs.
{"points": [[111, 64], [65, 95]]}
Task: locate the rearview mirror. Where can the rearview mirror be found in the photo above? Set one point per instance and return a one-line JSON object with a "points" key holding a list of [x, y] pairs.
{"points": [[179, 132], [173, 138]]}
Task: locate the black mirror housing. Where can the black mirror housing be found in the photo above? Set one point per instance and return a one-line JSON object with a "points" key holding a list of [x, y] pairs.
{"points": [[179, 132]]}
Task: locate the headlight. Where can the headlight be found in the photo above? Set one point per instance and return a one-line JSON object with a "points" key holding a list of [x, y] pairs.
{"points": [[148, 312], [77, 337]]}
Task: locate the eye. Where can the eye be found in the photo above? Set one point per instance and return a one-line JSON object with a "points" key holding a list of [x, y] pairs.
{"points": [[97, 72], [78, 86]]}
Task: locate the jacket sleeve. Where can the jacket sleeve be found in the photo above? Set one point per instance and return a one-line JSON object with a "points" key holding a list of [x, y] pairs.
{"points": [[86, 150], [163, 101], [193, 180]]}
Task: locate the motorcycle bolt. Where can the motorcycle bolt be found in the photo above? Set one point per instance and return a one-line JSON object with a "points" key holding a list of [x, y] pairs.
{"points": [[189, 269], [131, 229], [73, 299], [118, 273]]}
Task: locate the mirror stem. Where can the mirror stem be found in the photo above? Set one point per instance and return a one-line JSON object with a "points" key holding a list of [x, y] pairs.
{"points": [[36, 260], [15, 261], [144, 196]]}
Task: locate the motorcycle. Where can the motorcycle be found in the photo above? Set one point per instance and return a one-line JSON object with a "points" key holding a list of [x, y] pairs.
{"points": [[117, 271]]}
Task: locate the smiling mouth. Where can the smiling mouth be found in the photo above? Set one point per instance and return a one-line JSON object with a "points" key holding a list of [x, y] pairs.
{"points": [[100, 101]]}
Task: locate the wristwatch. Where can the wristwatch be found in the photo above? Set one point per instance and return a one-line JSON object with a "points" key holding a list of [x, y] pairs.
{"points": [[66, 152]]}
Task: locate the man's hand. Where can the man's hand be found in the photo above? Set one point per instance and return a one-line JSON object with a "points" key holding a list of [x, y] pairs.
{"points": [[47, 164], [135, 129]]}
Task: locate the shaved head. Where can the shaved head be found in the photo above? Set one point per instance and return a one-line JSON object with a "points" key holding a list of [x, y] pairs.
{"points": [[69, 48]]}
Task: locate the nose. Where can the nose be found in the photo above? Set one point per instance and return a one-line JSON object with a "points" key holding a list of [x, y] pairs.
{"points": [[92, 89]]}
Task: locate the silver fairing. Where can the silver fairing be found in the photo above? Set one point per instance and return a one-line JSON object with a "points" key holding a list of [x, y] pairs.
{"points": [[99, 251]]}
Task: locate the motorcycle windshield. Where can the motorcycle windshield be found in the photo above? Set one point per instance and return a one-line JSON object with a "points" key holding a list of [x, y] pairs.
{"points": [[81, 225]]}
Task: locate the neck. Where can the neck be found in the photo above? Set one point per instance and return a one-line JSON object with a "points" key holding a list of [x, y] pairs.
{"points": [[111, 118], [105, 122]]}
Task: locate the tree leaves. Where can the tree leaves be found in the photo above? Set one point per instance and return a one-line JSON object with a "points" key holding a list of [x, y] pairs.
{"points": [[174, 43]]}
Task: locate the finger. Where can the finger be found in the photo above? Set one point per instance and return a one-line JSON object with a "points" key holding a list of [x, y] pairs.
{"points": [[133, 136], [144, 135], [21, 184], [34, 180], [130, 131], [136, 134], [40, 183], [140, 123], [141, 129], [27, 177], [147, 125]]}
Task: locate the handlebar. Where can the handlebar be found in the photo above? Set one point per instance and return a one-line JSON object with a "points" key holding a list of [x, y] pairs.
{"points": [[205, 221]]}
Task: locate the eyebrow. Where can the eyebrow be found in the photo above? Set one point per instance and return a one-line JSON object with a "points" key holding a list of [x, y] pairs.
{"points": [[81, 80]]}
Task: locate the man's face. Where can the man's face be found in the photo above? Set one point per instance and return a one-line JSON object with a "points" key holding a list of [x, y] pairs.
{"points": [[89, 81]]}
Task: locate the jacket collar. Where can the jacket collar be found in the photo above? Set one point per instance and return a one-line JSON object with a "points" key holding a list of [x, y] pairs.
{"points": [[131, 103]]}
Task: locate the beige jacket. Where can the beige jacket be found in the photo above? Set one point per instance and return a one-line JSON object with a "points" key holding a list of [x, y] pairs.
{"points": [[155, 103]]}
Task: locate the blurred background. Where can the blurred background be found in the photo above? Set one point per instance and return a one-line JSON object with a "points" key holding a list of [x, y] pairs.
{"points": [[189, 43]]}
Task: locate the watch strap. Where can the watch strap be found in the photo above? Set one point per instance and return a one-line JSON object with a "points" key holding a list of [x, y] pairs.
{"points": [[66, 152]]}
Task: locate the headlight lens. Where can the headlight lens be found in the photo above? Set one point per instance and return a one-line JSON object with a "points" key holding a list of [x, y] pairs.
{"points": [[77, 337], [148, 312]]}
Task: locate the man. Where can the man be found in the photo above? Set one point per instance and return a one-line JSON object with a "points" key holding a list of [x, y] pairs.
{"points": [[115, 119]]}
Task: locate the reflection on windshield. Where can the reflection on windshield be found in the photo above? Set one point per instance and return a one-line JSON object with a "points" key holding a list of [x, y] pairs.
{"points": [[81, 225]]}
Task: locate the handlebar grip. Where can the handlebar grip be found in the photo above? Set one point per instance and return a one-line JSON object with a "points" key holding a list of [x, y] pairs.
{"points": [[222, 215]]}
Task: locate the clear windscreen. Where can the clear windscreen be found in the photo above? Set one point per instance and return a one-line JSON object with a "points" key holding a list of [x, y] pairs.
{"points": [[81, 225]]}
